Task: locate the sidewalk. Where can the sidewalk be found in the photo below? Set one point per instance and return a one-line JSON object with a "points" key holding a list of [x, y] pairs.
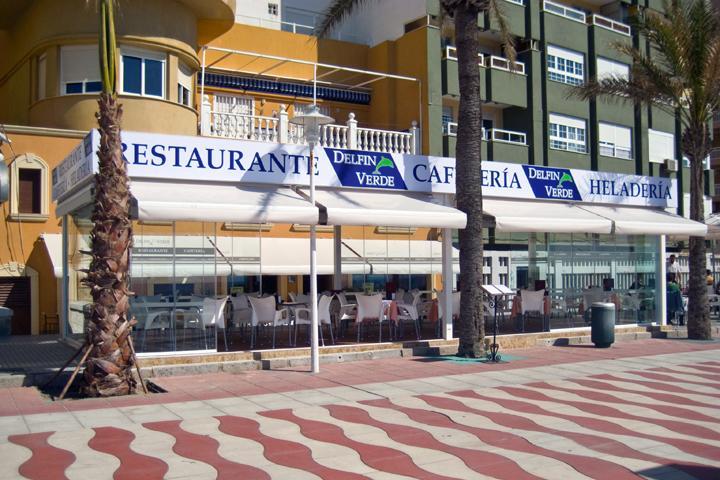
{"points": [[645, 408]]}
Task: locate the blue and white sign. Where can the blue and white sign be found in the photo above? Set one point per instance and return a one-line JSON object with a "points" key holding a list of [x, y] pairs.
{"points": [[198, 159]]}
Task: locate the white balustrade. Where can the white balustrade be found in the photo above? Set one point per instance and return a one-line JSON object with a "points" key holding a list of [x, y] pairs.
{"points": [[280, 130], [244, 127]]}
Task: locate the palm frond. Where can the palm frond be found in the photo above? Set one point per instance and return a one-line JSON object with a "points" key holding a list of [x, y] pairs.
{"points": [[336, 12], [508, 41]]}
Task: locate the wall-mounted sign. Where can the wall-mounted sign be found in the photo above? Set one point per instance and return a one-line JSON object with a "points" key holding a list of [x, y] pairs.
{"points": [[198, 159]]}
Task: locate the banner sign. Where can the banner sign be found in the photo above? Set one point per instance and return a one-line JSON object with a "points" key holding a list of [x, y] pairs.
{"points": [[198, 159]]}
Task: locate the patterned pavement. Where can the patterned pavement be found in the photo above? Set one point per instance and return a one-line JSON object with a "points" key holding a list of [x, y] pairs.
{"points": [[655, 417]]}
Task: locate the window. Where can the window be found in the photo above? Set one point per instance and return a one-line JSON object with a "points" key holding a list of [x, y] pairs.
{"points": [[615, 141], [661, 145], [566, 66], [41, 77], [567, 133], [487, 125], [143, 72], [79, 70], [29, 187], [272, 9], [29, 190], [610, 68], [184, 85]]}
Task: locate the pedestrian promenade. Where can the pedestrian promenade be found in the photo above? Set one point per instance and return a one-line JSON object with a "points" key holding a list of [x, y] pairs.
{"points": [[644, 409]]}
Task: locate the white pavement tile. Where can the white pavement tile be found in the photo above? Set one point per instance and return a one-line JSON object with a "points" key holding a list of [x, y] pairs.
{"points": [[13, 425], [104, 417], [52, 422], [194, 409], [148, 413]]}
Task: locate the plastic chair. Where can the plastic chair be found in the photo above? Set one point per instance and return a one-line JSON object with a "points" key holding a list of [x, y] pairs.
{"points": [[348, 312], [213, 316], [369, 307], [149, 319], [303, 316], [263, 312], [409, 311], [531, 302]]}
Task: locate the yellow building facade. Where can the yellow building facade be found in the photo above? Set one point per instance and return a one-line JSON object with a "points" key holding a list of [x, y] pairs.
{"points": [[48, 89]]}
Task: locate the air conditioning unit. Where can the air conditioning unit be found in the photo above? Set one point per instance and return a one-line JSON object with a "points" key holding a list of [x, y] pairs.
{"points": [[671, 164]]}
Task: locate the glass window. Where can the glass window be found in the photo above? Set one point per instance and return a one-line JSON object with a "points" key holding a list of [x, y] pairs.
{"points": [[566, 66], [79, 70], [132, 74], [567, 133], [615, 141], [41, 76], [184, 85], [610, 68], [661, 145], [143, 72]]}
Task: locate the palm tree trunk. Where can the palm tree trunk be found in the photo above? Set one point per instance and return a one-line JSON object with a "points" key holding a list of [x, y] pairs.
{"points": [[469, 182], [698, 314], [108, 370]]}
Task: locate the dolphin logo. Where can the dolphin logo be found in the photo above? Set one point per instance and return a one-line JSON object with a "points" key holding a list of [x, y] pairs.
{"points": [[384, 162], [566, 177]]}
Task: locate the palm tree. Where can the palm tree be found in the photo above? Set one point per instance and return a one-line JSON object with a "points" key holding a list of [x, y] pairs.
{"points": [[468, 153], [108, 369], [682, 77]]}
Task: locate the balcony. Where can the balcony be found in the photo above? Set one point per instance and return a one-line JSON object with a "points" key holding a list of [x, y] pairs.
{"points": [[564, 26], [500, 81], [498, 144], [278, 129], [610, 24]]}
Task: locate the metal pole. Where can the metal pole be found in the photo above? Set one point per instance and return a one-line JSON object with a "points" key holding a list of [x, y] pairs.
{"points": [[314, 346], [202, 80], [337, 251], [448, 274], [314, 93], [661, 283]]}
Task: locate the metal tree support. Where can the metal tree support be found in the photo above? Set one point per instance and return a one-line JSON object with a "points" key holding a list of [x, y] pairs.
{"points": [[497, 294]]}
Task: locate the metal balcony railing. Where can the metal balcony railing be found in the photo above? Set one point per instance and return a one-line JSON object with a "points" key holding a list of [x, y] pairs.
{"points": [[279, 130], [610, 24], [564, 11]]}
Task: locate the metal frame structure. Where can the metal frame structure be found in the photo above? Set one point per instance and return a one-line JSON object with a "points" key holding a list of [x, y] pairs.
{"points": [[330, 70]]}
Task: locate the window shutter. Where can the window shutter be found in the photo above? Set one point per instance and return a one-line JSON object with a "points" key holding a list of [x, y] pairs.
{"points": [[29, 197], [661, 145]]}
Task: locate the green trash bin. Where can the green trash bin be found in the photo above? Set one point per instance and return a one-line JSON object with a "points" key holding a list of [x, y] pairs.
{"points": [[6, 315], [602, 326]]}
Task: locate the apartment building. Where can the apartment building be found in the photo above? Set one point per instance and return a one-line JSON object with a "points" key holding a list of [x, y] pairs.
{"points": [[210, 90]]}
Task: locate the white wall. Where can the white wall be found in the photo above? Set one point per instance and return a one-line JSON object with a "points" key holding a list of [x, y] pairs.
{"points": [[255, 13], [371, 24]]}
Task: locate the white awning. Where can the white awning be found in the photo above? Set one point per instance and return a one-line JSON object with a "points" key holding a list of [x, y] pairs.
{"points": [[539, 216], [378, 208], [166, 201], [646, 221]]}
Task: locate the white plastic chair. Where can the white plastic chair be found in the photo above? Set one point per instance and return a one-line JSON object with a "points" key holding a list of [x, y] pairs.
{"points": [[149, 319], [263, 312], [303, 316], [241, 311], [348, 312], [213, 316], [369, 307], [409, 311], [531, 302]]}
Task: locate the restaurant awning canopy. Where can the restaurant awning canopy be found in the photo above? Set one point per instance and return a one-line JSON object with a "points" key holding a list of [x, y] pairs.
{"points": [[378, 208], [539, 216], [646, 221], [204, 202]]}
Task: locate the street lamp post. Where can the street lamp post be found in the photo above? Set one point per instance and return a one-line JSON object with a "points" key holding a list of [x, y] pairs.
{"points": [[311, 123]]}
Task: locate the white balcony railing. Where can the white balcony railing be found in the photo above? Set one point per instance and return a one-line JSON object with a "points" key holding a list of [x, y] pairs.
{"points": [[279, 130], [491, 134], [502, 63], [492, 61], [564, 11], [610, 24]]}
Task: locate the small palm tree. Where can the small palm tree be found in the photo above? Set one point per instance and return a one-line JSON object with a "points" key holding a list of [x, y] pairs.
{"points": [[471, 327], [682, 75], [108, 369]]}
